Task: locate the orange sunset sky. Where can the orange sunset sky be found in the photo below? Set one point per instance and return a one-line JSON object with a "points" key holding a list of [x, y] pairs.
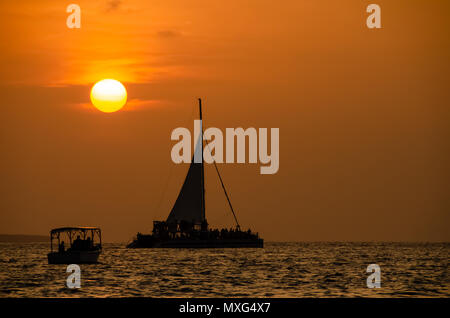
{"points": [[363, 115]]}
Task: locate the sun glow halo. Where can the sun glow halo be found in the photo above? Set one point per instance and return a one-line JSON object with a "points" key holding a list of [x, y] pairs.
{"points": [[108, 95]]}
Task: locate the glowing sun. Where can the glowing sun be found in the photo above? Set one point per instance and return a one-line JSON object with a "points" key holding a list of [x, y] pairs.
{"points": [[108, 95]]}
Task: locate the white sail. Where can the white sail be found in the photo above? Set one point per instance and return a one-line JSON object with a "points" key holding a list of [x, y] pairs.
{"points": [[189, 205]]}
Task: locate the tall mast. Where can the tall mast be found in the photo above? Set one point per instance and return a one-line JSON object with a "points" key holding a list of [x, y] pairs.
{"points": [[221, 181], [203, 167]]}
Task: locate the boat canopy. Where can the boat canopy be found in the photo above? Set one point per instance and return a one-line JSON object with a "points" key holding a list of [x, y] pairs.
{"points": [[75, 235], [70, 229]]}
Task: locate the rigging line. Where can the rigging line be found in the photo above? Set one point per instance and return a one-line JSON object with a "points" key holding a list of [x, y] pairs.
{"points": [[164, 191], [224, 190]]}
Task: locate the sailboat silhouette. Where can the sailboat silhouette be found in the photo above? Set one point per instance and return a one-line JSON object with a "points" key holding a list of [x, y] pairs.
{"points": [[186, 225]]}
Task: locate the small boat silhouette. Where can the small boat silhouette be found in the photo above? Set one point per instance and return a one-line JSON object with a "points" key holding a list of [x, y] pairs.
{"points": [[85, 245]]}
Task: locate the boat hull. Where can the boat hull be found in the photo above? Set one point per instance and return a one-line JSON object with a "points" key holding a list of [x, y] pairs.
{"points": [[231, 243], [74, 257]]}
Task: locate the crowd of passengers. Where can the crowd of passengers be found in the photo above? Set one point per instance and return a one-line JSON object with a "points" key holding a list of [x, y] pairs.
{"points": [[188, 230], [78, 245]]}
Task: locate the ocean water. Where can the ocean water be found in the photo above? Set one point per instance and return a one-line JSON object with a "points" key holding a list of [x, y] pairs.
{"points": [[278, 270]]}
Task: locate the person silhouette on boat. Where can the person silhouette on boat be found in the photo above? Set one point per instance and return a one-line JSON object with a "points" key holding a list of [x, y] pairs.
{"points": [[61, 247], [77, 244], [89, 243]]}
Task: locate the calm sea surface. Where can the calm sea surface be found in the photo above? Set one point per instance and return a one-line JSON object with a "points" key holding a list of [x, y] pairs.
{"points": [[278, 270]]}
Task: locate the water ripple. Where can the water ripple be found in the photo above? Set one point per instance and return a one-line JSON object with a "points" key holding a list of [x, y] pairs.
{"points": [[278, 270]]}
